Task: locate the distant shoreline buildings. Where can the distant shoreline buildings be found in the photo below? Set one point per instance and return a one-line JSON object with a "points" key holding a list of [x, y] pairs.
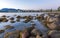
{"points": [[20, 10]]}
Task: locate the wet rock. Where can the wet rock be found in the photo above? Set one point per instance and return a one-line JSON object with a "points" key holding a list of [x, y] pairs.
{"points": [[3, 19], [35, 32], [49, 19], [20, 34], [29, 18], [12, 18], [31, 28], [24, 17], [53, 17], [38, 36], [0, 19], [8, 16], [13, 34], [18, 17], [1, 31], [12, 21], [45, 36], [52, 23], [54, 34], [32, 37], [18, 20], [51, 14], [25, 34], [42, 16], [9, 27], [52, 26], [39, 18], [4, 16]]}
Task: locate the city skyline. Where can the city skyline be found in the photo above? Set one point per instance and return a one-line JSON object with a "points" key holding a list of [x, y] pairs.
{"points": [[30, 4]]}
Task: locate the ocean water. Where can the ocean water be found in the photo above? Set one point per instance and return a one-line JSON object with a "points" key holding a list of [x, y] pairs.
{"points": [[21, 14], [21, 25]]}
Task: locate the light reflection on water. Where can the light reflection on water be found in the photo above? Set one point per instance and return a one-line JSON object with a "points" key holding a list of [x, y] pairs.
{"points": [[21, 14], [12, 15], [20, 25]]}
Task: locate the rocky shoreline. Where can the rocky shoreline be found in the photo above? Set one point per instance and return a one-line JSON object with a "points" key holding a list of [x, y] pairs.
{"points": [[51, 22]]}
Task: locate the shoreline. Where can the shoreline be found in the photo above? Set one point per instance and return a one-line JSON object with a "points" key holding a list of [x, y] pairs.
{"points": [[30, 12]]}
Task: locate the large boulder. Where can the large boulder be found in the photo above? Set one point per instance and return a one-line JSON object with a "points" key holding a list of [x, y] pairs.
{"points": [[3, 19], [4, 16], [1, 31], [35, 32], [52, 23], [9, 27], [38, 36], [52, 26], [32, 37], [25, 34], [54, 34], [18, 17], [13, 34]]}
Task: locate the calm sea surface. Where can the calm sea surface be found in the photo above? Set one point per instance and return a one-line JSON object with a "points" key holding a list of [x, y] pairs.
{"points": [[20, 25]]}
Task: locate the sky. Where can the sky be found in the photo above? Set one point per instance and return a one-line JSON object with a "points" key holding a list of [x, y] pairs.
{"points": [[30, 4]]}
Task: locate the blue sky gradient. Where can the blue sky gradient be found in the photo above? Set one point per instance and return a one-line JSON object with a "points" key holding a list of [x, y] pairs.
{"points": [[30, 4]]}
